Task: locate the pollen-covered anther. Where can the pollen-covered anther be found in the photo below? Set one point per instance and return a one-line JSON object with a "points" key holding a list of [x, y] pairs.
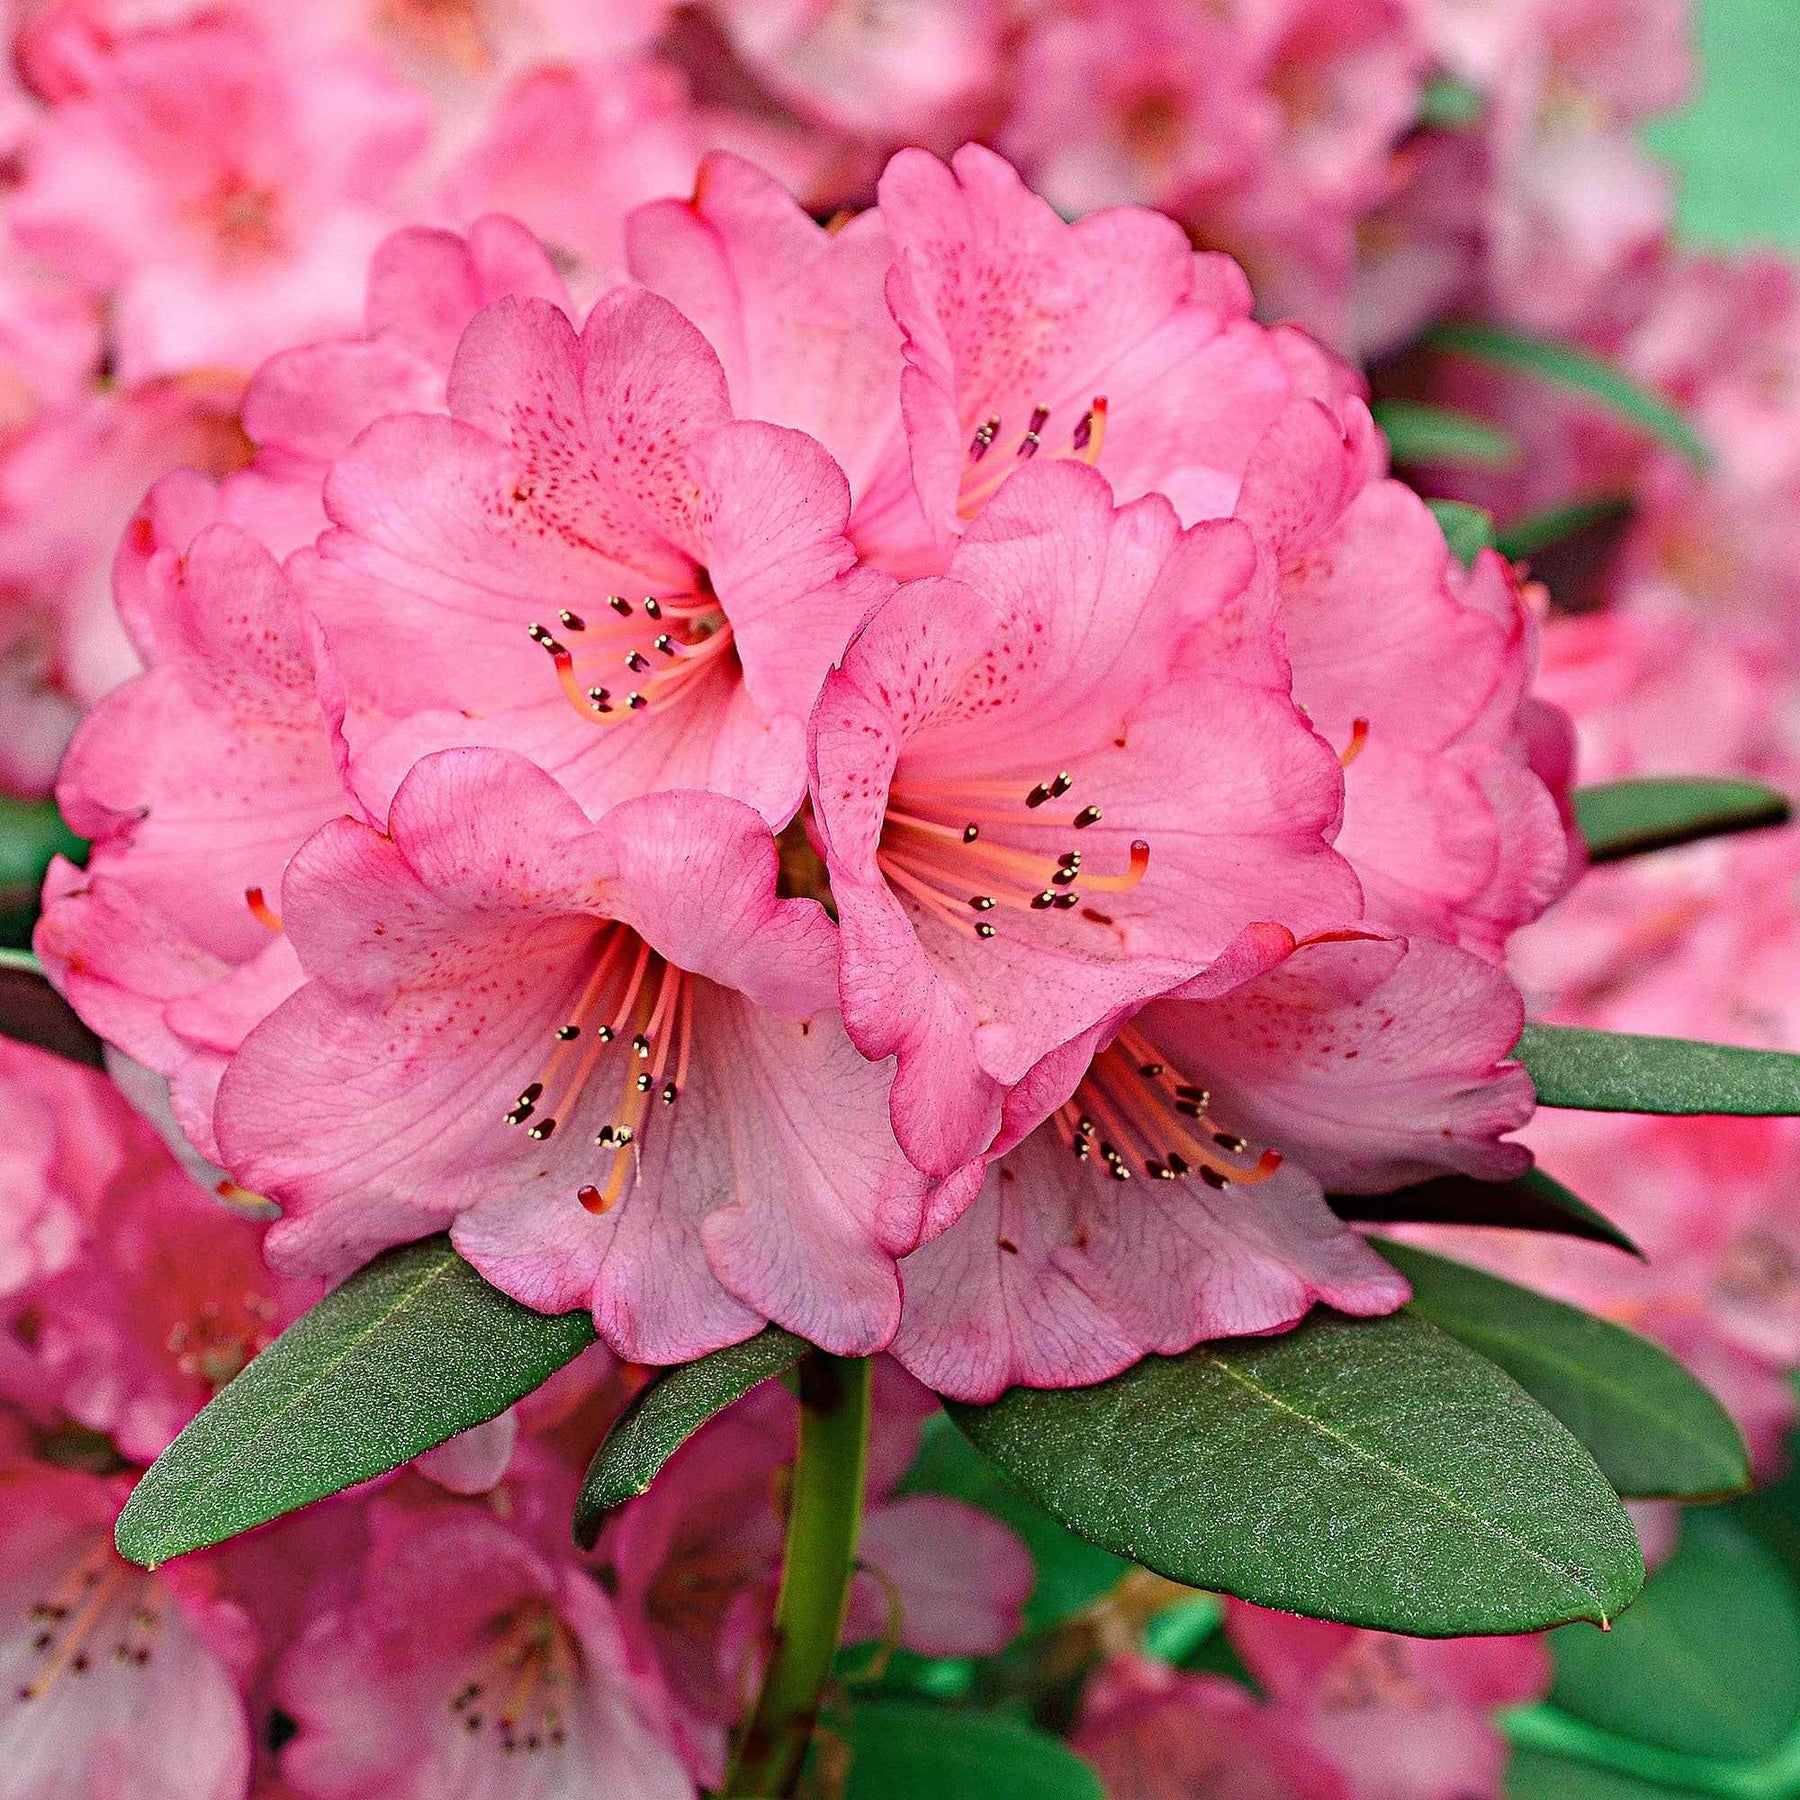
{"points": [[571, 621]]}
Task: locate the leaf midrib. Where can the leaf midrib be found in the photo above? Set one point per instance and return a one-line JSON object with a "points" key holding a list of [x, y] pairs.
{"points": [[1448, 1501], [215, 1474]]}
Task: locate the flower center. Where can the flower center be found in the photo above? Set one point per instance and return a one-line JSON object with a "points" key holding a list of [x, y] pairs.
{"points": [[244, 217], [218, 1339], [965, 851], [666, 647], [520, 1686], [101, 1597], [1142, 1117], [635, 1009], [980, 484]]}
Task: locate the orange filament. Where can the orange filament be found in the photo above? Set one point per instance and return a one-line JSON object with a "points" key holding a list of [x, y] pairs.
{"points": [[634, 658], [261, 911], [1083, 445], [1140, 1117], [633, 1006], [951, 848], [1359, 735], [521, 1688], [70, 1620]]}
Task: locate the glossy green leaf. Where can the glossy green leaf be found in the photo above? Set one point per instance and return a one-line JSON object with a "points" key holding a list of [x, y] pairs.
{"points": [[1539, 1775], [409, 1351], [1652, 1428], [900, 1751], [1628, 818], [1541, 531], [1467, 529], [1575, 370], [1374, 1471], [1616, 1071], [1071, 1573], [1418, 432], [1533, 1201], [1707, 1663], [668, 1412], [33, 1012]]}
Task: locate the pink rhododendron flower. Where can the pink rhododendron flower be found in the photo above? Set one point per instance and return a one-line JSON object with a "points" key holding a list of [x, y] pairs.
{"points": [[1107, 342], [69, 1136], [169, 1301], [68, 486], [1037, 783], [916, 72], [606, 1052], [196, 781], [1152, 1733], [695, 1562], [590, 560], [1455, 787], [515, 1672], [115, 1681], [1173, 1191], [224, 195], [1403, 1718]]}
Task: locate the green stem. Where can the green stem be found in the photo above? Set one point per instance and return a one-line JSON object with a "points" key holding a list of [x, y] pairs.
{"points": [[824, 1521]]}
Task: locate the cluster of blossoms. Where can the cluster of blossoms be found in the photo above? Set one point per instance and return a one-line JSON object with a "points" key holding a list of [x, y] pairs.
{"points": [[914, 778], [191, 187]]}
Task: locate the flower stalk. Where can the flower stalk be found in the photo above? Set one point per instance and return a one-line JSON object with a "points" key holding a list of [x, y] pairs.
{"points": [[824, 1522]]}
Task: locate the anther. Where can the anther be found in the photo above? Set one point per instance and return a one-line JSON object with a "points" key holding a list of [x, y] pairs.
{"points": [[1150, 1069], [605, 1033], [598, 698], [983, 902], [1048, 898], [641, 1044], [1214, 1179], [1157, 1172], [1064, 901], [1184, 1092], [1188, 1108], [636, 702], [1178, 1165], [637, 662], [645, 1082], [1028, 444], [971, 833], [1061, 785], [670, 1093], [572, 621], [653, 606], [1065, 875], [984, 439], [568, 1033], [984, 930], [664, 643], [1226, 1141], [1089, 815], [619, 604], [541, 1130], [539, 635]]}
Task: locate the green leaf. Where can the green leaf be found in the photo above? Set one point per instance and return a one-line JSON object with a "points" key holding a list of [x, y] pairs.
{"points": [[1707, 1663], [1616, 1071], [1653, 1429], [1628, 818], [1540, 531], [1071, 1573], [1565, 367], [1418, 432], [668, 1412], [33, 1012], [1537, 1775], [900, 1751], [409, 1351], [1467, 529], [1373, 1471], [1449, 104], [1533, 1201]]}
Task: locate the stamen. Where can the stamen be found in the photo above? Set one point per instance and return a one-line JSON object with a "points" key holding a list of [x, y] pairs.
{"points": [[1359, 735], [1119, 884], [1028, 444], [261, 911], [984, 439]]}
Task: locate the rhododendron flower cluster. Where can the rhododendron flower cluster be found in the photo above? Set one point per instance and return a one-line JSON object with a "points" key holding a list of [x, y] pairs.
{"points": [[761, 745]]}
